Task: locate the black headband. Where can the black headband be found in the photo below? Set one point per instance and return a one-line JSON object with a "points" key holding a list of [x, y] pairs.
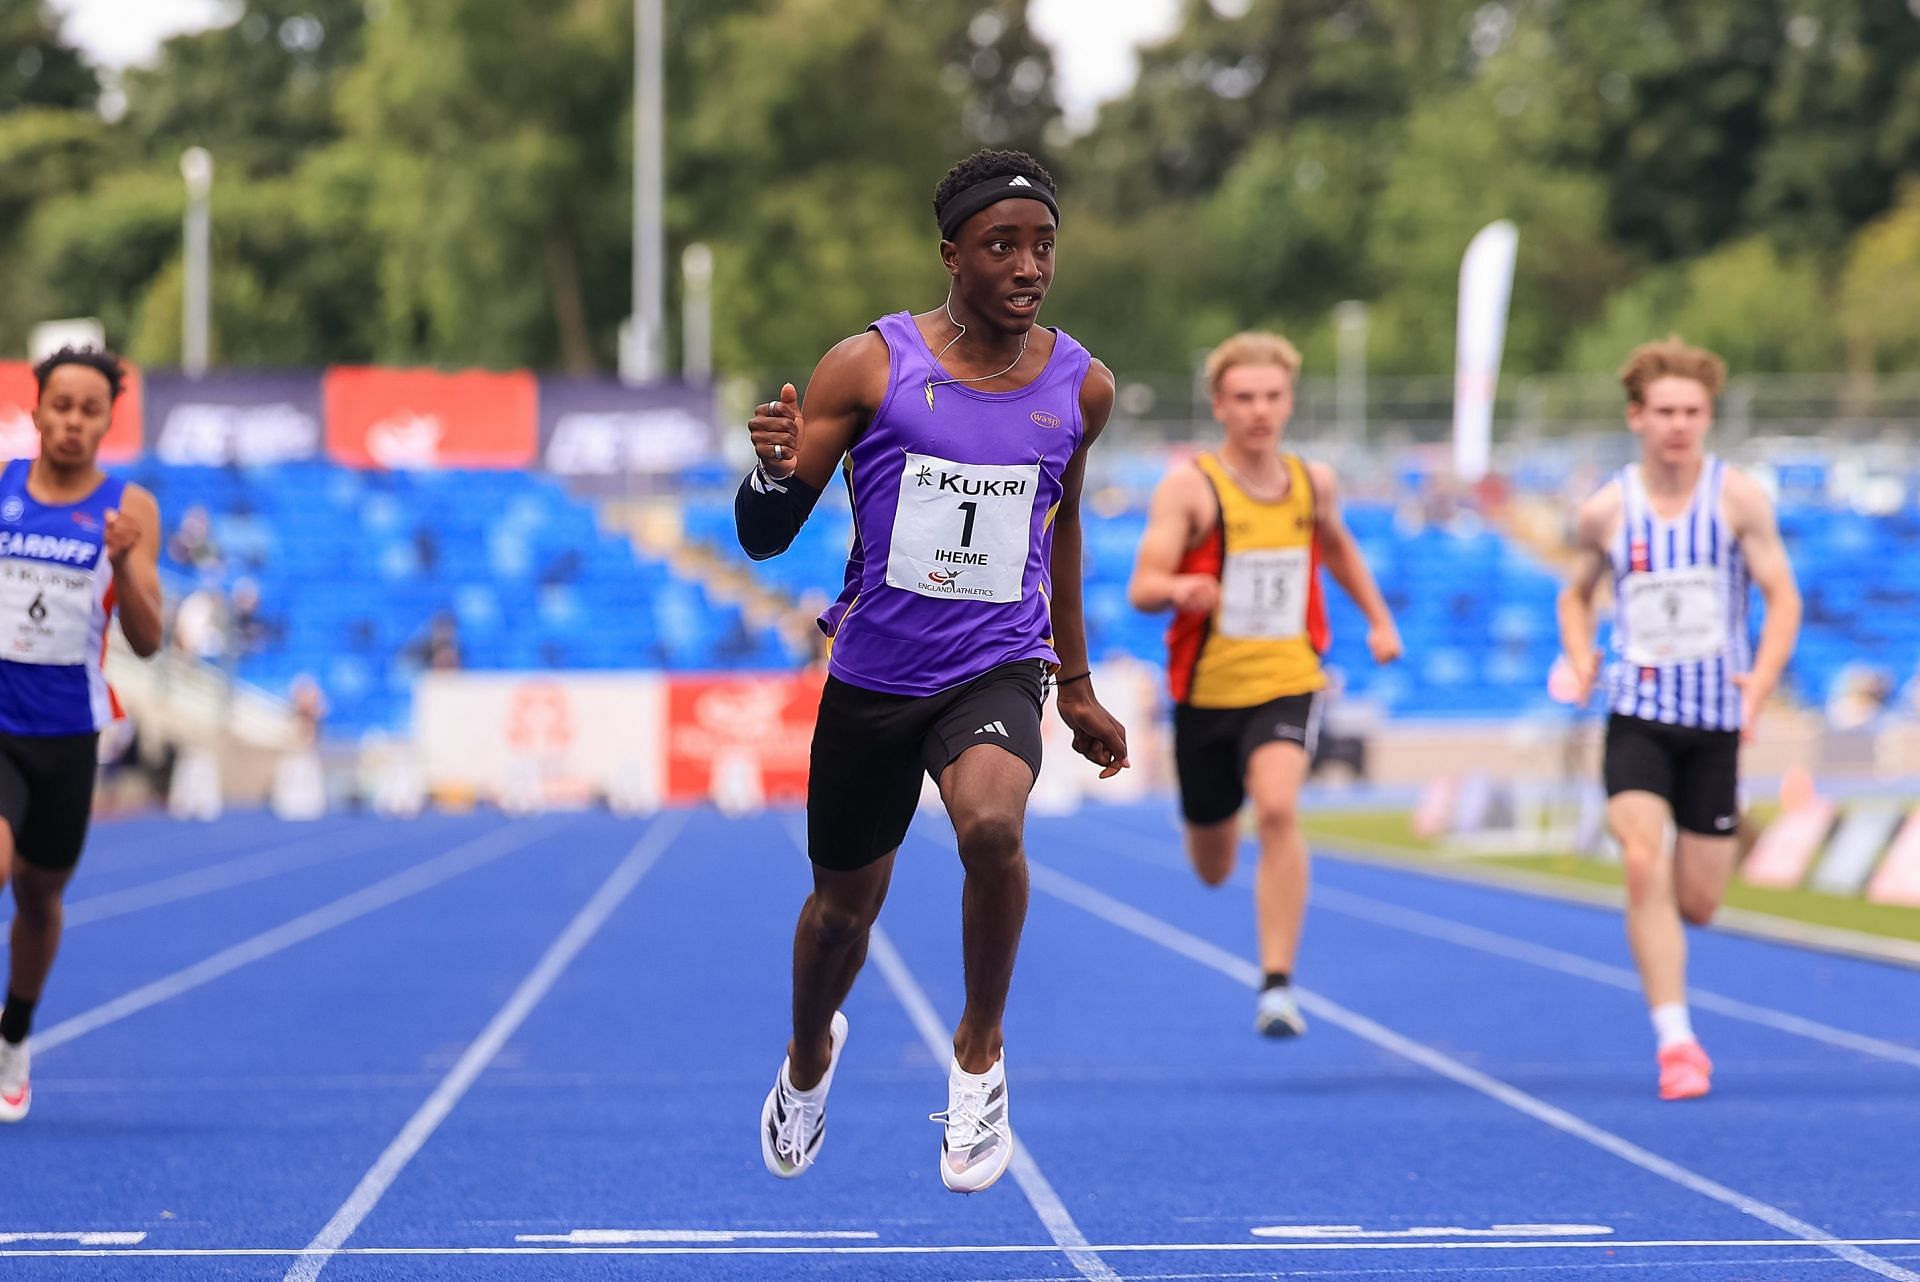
{"points": [[963, 205]]}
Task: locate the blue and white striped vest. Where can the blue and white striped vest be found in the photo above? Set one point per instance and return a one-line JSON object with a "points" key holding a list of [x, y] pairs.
{"points": [[1680, 622]]}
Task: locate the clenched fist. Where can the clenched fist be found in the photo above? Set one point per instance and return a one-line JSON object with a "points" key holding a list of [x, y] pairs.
{"points": [[776, 428]]}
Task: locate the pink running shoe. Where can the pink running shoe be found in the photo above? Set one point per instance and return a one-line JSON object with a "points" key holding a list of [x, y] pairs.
{"points": [[1685, 1071]]}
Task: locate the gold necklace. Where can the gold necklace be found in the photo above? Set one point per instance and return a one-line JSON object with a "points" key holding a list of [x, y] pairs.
{"points": [[933, 383]]}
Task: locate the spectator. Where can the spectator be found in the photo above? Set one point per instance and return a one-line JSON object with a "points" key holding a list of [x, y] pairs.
{"points": [[192, 542], [443, 643], [251, 630], [200, 624], [309, 706]]}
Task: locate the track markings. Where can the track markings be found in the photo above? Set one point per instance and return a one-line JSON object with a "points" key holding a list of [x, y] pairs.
{"points": [[546, 973], [1328, 1232], [1131, 919], [78, 1239], [632, 1237], [422, 876]]}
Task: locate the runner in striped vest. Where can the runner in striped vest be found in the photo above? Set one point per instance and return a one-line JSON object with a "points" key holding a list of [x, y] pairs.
{"points": [[1684, 538]]}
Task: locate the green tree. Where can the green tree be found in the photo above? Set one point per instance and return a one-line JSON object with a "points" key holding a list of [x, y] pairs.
{"points": [[258, 92], [1205, 95], [293, 268], [495, 139], [1843, 121], [815, 183], [1880, 290], [1762, 309], [38, 68]]}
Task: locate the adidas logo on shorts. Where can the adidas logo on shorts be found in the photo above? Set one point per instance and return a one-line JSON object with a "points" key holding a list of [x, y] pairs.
{"points": [[994, 727]]}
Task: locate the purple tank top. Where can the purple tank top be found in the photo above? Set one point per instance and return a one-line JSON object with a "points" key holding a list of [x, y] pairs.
{"points": [[950, 569]]}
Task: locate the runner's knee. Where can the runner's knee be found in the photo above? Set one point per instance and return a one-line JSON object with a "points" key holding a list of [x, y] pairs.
{"points": [[834, 923], [989, 837], [1277, 818], [36, 907], [1697, 908], [1644, 865]]}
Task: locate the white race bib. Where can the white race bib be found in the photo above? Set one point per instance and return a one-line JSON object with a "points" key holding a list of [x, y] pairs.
{"points": [[1263, 594], [46, 612], [1674, 616], [961, 530]]}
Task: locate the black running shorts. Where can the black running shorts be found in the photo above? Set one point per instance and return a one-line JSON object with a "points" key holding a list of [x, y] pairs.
{"points": [[1212, 746], [46, 795], [1697, 772], [870, 750]]}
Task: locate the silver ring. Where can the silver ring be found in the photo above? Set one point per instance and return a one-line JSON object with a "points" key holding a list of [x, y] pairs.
{"points": [[780, 451]]}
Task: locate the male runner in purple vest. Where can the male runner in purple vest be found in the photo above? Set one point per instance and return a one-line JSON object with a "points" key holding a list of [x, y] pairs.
{"points": [[962, 433]]}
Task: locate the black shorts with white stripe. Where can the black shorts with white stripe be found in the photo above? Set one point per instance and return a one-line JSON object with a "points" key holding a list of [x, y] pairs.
{"points": [[871, 749], [1212, 746]]}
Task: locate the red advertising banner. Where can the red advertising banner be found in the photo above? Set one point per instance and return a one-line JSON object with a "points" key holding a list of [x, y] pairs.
{"points": [[406, 418], [716, 723], [20, 439]]}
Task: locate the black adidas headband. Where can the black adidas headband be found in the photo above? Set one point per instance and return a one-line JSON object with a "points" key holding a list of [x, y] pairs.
{"points": [[963, 205]]}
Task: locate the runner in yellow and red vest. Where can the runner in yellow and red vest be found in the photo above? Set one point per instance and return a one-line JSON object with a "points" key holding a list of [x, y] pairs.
{"points": [[1234, 545]]}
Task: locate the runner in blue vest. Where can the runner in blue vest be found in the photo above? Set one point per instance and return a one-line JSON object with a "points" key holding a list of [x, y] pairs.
{"points": [[1682, 537], [75, 546], [962, 433]]}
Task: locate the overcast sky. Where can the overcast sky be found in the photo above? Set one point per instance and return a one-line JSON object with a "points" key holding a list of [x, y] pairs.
{"points": [[1093, 40]]}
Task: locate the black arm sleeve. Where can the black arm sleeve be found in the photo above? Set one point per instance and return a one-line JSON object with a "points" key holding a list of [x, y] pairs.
{"points": [[768, 513]]}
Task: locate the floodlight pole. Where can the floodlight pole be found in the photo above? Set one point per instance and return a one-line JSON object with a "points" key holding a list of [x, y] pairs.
{"points": [[696, 313], [1350, 382], [196, 167], [645, 357]]}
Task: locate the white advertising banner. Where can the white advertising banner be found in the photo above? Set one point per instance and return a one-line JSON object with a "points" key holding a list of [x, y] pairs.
{"points": [[568, 738], [1486, 285]]}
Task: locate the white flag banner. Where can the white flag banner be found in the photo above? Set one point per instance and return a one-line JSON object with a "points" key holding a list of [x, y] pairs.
{"points": [[1486, 285]]}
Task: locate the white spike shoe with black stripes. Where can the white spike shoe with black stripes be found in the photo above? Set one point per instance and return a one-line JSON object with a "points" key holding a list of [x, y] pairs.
{"points": [[794, 1123]]}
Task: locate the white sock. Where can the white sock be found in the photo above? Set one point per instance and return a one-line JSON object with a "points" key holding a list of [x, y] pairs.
{"points": [[1671, 1024], [811, 1093], [987, 1080]]}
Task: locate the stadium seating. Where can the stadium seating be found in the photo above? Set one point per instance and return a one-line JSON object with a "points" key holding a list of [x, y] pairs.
{"points": [[354, 566], [1475, 608]]}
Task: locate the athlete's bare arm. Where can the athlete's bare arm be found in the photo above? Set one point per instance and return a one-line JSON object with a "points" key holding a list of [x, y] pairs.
{"points": [[1593, 527], [1751, 516], [132, 538], [1181, 513], [1097, 736], [842, 397], [1340, 553]]}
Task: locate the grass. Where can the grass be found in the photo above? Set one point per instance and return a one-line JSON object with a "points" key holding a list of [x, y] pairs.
{"points": [[1391, 833]]}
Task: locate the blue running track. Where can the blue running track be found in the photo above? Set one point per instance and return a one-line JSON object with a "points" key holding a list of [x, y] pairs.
{"points": [[470, 1048]]}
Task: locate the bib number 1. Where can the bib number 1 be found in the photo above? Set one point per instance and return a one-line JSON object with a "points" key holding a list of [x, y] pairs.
{"points": [[962, 530]]}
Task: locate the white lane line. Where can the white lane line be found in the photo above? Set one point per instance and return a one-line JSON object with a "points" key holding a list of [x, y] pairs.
{"points": [[1208, 954], [424, 876], [1039, 1191], [314, 848], [421, 1126], [78, 1239], [1412, 921], [987, 1248], [1325, 1232], [630, 1237], [1385, 913], [1046, 1203]]}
